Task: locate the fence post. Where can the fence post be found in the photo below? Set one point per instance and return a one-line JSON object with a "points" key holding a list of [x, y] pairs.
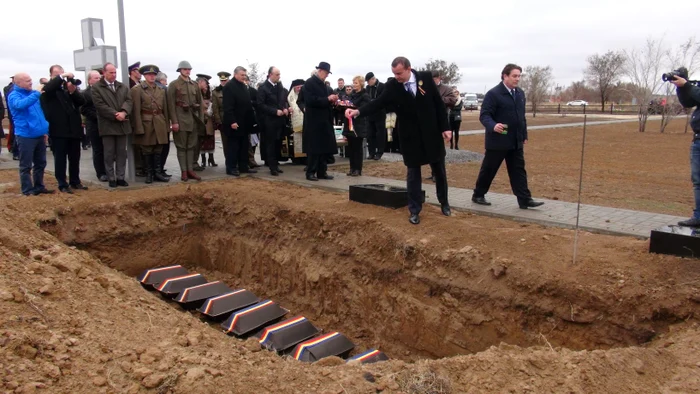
{"points": [[559, 108], [584, 109], [611, 108]]}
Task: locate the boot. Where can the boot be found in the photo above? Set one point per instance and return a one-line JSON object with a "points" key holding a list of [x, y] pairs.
{"points": [[184, 177], [212, 163], [192, 175], [160, 169], [148, 167], [204, 159], [157, 176]]}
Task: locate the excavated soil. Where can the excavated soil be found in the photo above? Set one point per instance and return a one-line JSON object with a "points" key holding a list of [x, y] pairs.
{"points": [[460, 304]]}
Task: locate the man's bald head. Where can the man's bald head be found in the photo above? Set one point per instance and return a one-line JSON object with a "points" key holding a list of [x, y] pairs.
{"points": [[23, 80], [110, 72], [93, 77]]}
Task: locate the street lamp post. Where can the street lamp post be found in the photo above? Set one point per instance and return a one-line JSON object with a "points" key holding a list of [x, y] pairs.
{"points": [[131, 171]]}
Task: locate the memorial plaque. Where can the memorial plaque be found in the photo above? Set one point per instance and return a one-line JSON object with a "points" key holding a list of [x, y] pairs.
{"points": [[675, 240], [151, 277], [369, 357], [333, 344], [382, 195]]}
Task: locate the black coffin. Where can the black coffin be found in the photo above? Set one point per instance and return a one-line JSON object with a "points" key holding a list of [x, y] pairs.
{"points": [[151, 277], [381, 194], [195, 296], [255, 316], [675, 240], [218, 307], [284, 335], [370, 356], [172, 286], [333, 344]]}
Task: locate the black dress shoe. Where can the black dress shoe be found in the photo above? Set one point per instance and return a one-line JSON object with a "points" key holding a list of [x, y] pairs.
{"points": [[65, 190], [42, 191], [279, 170], [311, 178], [121, 182], [274, 172], [446, 209], [530, 204], [326, 176], [112, 183], [233, 173], [414, 219], [692, 222], [480, 201], [79, 186]]}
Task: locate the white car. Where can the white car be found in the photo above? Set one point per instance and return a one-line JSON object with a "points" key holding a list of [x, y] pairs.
{"points": [[577, 103]]}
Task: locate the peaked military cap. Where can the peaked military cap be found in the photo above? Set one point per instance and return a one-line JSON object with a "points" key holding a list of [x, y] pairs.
{"points": [[223, 75], [204, 76], [149, 69], [134, 66]]}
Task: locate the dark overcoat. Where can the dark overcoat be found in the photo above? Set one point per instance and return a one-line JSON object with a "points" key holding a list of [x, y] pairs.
{"points": [[319, 136]]}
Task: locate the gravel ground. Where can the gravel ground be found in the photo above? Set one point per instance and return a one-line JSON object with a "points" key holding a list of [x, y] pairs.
{"points": [[453, 156]]}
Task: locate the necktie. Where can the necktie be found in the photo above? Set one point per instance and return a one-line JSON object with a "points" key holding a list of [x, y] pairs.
{"points": [[512, 92], [409, 88]]}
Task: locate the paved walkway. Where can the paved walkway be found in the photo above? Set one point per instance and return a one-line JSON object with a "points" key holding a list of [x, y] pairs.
{"points": [[553, 213]]}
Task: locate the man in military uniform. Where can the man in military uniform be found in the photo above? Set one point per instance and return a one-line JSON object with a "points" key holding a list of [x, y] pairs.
{"points": [[217, 104], [186, 112], [134, 74], [150, 121], [203, 83]]}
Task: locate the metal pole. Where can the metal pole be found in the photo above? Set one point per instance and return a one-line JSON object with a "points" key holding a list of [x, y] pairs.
{"points": [[130, 170], [580, 184]]}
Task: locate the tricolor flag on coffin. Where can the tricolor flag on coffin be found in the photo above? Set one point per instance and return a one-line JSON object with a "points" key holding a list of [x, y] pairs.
{"points": [[368, 357], [173, 286], [195, 296], [151, 277], [332, 344], [253, 317], [218, 307], [286, 334]]}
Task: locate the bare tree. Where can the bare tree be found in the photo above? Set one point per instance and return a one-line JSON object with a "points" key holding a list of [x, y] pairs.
{"points": [[536, 82], [450, 72], [643, 68], [254, 74], [603, 72]]}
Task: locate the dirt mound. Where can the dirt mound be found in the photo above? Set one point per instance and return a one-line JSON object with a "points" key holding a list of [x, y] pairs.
{"points": [[462, 304]]}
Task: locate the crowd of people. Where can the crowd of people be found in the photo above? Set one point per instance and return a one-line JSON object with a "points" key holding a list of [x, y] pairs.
{"points": [[413, 113]]}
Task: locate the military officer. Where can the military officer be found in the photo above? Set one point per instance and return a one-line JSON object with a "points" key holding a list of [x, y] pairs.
{"points": [[205, 132], [186, 114], [134, 74], [134, 79], [150, 121], [217, 103]]}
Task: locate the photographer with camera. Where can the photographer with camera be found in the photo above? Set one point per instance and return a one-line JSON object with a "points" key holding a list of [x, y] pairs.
{"points": [[61, 100], [689, 96]]}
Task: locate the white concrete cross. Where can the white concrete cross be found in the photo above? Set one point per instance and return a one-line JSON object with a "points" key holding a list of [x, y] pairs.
{"points": [[94, 53]]}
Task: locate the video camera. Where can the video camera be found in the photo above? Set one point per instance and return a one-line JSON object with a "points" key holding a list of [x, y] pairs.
{"points": [[76, 82], [680, 72]]}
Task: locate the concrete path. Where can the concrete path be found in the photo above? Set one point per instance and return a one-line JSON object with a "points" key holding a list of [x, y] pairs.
{"points": [[553, 213]]}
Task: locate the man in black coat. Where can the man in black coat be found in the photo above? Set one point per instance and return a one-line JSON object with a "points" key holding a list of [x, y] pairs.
{"points": [[273, 110], [11, 141], [423, 119], [376, 138], [319, 136], [238, 122], [61, 101], [90, 113], [503, 116]]}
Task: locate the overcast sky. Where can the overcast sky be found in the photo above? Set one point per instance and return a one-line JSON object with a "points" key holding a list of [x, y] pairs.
{"points": [[355, 37]]}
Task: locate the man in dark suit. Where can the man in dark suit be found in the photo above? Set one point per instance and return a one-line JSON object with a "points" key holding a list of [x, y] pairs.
{"points": [[238, 122], [376, 138], [319, 136], [61, 101], [503, 116], [273, 107], [90, 112], [423, 119]]}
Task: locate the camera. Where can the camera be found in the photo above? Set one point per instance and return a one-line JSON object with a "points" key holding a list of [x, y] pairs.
{"points": [[74, 81], [671, 76]]}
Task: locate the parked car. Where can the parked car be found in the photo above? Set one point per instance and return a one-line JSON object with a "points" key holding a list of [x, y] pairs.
{"points": [[577, 103], [470, 101]]}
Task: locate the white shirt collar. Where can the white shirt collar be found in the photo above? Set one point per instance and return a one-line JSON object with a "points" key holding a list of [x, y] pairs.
{"points": [[413, 78], [272, 83], [507, 88]]}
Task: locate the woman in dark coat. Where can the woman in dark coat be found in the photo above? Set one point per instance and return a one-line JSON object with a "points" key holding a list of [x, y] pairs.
{"points": [[358, 132]]}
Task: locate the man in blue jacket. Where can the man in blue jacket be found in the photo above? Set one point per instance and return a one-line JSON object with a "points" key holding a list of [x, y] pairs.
{"points": [[503, 116], [32, 133]]}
